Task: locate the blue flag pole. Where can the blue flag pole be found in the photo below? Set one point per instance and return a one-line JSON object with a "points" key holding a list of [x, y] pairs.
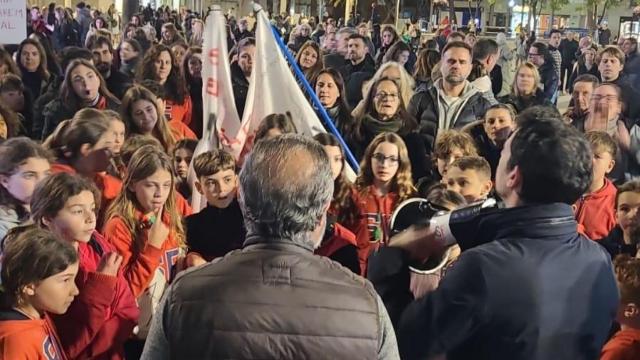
{"points": [[314, 98]]}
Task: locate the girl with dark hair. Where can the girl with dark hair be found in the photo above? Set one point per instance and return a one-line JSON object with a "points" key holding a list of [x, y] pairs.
{"points": [[275, 125], [83, 87], [339, 244], [38, 272], [192, 70], [399, 52], [389, 36], [330, 90], [103, 316], [427, 60], [159, 64], [23, 164]]}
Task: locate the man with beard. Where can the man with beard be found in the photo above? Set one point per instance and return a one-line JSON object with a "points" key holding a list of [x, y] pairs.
{"points": [[625, 237], [102, 50], [583, 88], [452, 102], [526, 285], [337, 57], [360, 68]]}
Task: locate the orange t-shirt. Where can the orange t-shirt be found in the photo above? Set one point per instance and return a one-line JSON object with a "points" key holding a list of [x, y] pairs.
{"points": [[179, 112], [180, 131], [30, 339], [624, 345]]}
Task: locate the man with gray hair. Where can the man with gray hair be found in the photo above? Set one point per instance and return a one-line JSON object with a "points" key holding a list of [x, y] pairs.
{"points": [[275, 299], [338, 58]]}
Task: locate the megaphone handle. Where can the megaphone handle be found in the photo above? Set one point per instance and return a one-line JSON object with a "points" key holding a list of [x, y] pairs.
{"points": [[442, 232]]}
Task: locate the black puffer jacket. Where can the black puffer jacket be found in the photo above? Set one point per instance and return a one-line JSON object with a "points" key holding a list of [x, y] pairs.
{"points": [[521, 103], [424, 107], [57, 111]]}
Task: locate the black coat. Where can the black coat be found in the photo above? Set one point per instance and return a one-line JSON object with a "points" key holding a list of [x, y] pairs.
{"points": [[354, 76], [57, 111], [118, 83], [424, 108], [549, 79], [580, 70], [240, 86], [486, 148], [521, 103], [531, 288], [614, 244]]}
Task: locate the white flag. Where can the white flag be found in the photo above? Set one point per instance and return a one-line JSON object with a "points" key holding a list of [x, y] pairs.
{"points": [[221, 123], [274, 89]]}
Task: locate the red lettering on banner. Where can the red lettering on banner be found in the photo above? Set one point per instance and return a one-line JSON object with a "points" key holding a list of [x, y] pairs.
{"points": [[213, 56], [212, 87]]}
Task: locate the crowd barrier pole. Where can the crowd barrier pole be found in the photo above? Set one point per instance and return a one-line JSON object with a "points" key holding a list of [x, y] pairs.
{"points": [[314, 98]]}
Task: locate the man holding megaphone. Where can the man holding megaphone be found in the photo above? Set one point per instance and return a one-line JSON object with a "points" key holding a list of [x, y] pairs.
{"points": [[527, 285]]}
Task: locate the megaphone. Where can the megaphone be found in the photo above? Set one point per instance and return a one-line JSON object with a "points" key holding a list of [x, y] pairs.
{"points": [[447, 224]]}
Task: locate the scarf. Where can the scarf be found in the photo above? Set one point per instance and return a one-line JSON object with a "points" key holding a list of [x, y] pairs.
{"points": [[375, 126]]}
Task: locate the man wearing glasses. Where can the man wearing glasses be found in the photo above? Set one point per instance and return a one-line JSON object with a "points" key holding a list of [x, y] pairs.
{"points": [[540, 57]]}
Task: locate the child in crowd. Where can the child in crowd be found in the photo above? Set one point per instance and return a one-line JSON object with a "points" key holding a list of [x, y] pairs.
{"points": [[384, 182], [423, 282], [83, 146], [103, 316], [179, 129], [37, 280], [23, 164], [492, 132], [182, 154], [274, 125], [12, 95], [130, 146], [117, 127], [339, 244], [595, 211], [625, 344], [469, 176], [219, 227], [625, 236], [450, 145], [145, 227]]}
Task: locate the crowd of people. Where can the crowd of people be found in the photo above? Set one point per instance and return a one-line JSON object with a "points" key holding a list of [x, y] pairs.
{"points": [[104, 258]]}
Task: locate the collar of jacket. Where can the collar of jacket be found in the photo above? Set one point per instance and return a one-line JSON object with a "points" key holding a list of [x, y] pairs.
{"points": [[255, 242], [539, 221]]}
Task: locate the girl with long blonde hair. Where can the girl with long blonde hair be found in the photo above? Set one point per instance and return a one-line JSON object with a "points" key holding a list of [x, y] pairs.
{"points": [[144, 224]]}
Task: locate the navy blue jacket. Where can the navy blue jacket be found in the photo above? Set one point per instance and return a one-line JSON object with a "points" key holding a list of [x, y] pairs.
{"points": [[530, 288]]}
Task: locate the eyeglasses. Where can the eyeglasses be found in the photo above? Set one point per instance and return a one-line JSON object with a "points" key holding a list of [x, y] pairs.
{"points": [[382, 96], [380, 158]]}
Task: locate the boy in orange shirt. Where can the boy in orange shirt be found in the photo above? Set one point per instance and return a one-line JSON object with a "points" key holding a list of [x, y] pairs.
{"points": [[595, 211], [625, 344]]}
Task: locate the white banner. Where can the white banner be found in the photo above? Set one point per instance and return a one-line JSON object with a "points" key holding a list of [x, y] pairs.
{"points": [[13, 21], [221, 123]]}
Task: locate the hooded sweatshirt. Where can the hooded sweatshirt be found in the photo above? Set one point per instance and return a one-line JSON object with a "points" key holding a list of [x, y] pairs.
{"points": [[24, 338], [595, 212], [449, 107]]}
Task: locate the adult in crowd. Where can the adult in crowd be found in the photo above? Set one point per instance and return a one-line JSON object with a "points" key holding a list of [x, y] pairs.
{"points": [[116, 81], [525, 91], [611, 62], [329, 87], [485, 55], [32, 62], [241, 72], [309, 59], [583, 88], [159, 64], [338, 58], [131, 54], [632, 59], [553, 46], [360, 67], [544, 168], [452, 102], [268, 300], [540, 56], [586, 64], [83, 17], [426, 62], [604, 34], [389, 36], [63, 33], [568, 48]]}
